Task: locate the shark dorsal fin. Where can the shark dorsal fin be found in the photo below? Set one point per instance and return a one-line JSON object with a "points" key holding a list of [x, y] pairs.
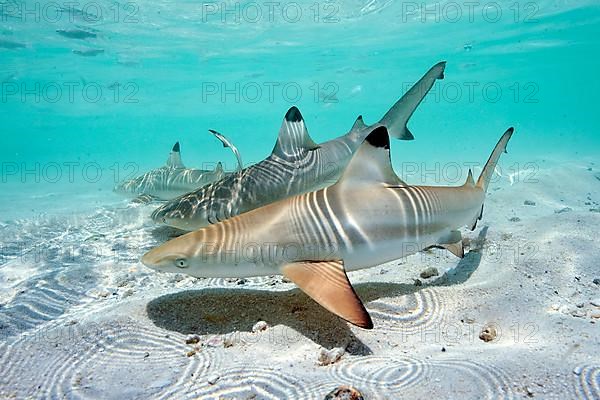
{"points": [[174, 160], [293, 137], [371, 163], [359, 124]]}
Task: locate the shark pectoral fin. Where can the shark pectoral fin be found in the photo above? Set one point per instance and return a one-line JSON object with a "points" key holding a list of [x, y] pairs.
{"points": [[293, 139], [327, 283]]}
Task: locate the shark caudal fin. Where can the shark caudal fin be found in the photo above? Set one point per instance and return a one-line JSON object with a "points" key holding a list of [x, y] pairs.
{"points": [[397, 117], [174, 160], [490, 166], [228, 143]]}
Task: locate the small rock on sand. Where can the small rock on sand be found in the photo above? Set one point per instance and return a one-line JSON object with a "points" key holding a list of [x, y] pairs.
{"points": [[215, 341], [327, 357], [515, 219], [429, 272], [595, 302], [344, 393], [563, 210], [192, 339], [529, 203], [596, 281], [488, 333], [260, 326], [213, 379]]}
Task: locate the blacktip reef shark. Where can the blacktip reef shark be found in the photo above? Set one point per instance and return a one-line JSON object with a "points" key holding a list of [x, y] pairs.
{"points": [[369, 217], [169, 181], [296, 165]]}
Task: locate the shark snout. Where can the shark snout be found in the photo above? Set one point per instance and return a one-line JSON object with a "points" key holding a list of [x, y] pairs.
{"points": [[152, 259]]}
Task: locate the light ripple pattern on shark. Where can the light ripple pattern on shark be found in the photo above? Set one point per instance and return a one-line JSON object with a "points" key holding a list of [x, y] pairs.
{"points": [[297, 165], [170, 180], [369, 217]]}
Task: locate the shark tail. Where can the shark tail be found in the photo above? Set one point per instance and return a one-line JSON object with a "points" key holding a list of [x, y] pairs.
{"points": [[486, 175], [398, 116]]}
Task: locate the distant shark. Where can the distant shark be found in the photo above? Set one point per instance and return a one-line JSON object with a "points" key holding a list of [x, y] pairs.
{"points": [[367, 218], [170, 180], [296, 165]]}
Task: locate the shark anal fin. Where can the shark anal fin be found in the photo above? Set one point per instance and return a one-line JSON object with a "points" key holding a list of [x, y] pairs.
{"points": [[326, 282], [453, 243]]}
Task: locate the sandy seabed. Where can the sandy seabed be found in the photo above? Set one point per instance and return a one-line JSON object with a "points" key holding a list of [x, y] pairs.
{"points": [[80, 317]]}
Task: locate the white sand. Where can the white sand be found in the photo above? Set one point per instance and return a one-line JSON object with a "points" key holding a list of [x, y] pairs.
{"points": [[94, 326]]}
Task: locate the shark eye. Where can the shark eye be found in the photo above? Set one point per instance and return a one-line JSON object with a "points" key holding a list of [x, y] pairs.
{"points": [[181, 263]]}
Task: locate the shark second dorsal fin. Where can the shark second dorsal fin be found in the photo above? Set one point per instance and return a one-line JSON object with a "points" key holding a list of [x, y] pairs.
{"points": [[371, 163], [174, 160], [219, 168], [293, 137], [359, 124], [470, 181]]}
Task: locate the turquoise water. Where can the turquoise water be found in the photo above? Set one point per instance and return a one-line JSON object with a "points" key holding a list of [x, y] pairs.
{"points": [[95, 92], [169, 71]]}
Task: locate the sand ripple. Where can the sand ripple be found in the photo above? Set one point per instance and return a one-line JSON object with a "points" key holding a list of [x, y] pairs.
{"points": [[587, 385], [411, 313], [386, 377], [89, 358], [249, 382], [379, 375]]}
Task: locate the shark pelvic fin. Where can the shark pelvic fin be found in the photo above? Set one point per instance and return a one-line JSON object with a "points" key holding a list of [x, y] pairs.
{"points": [[326, 282], [174, 160], [453, 243], [371, 163], [293, 138], [455, 248], [397, 117]]}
